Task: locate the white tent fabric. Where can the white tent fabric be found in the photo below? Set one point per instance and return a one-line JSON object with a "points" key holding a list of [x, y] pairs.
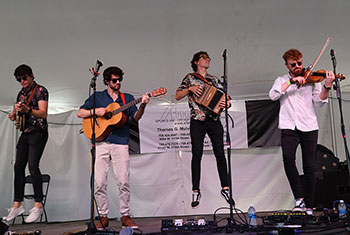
{"points": [[153, 42]]}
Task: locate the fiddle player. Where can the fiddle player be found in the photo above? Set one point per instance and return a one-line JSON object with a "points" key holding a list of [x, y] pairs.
{"points": [[203, 121], [298, 124]]}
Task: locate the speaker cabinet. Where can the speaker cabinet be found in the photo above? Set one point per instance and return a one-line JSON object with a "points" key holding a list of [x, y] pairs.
{"points": [[332, 179]]}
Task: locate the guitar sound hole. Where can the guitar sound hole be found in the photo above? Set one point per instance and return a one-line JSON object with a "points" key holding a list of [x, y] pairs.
{"points": [[108, 115]]}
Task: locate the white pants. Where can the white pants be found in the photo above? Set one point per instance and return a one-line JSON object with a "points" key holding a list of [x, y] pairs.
{"points": [[118, 155]]}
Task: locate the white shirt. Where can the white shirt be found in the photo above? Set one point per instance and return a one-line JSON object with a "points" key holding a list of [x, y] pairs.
{"points": [[297, 104]]}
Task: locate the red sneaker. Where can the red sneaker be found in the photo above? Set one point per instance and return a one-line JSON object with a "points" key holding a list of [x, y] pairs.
{"points": [[102, 223]]}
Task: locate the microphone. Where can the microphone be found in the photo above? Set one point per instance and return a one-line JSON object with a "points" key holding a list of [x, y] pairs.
{"points": [[336, 81], [332, 54], [224, 53], [99, 64]]}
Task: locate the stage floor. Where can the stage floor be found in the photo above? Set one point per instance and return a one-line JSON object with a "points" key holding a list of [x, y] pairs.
{"points": [[153, 225], [150, 225]]}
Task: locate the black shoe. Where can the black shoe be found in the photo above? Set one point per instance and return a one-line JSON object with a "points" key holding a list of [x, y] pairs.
{"points": [[226, 194], [196, 196]]}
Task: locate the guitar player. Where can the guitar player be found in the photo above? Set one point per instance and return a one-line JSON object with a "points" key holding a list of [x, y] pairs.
{"points": [[31, 143], [203, 121], [114, 148]]}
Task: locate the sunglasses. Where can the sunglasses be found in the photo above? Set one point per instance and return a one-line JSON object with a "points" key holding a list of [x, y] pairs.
{"points": [[205, 57], [21, 79], [115, 80], [295, 64]]}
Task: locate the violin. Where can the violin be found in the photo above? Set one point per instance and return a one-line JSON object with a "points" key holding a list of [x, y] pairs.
{"points": [[318, 76]]}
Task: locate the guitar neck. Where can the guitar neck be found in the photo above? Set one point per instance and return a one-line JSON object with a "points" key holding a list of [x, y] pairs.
{"points": [[128, 105], [155, 93]]}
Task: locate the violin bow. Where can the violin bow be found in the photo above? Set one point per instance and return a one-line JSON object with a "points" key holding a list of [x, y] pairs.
{"points": [[318, 57]]}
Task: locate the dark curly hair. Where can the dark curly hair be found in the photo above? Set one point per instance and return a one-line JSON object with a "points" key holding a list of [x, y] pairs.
{"points": [[292, 54], [107, 74], [23, 70], [195, 58]]}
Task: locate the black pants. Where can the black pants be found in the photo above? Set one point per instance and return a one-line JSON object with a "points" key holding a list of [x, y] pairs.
{"points": [[308, 143], [30, 148], [215, 131]]}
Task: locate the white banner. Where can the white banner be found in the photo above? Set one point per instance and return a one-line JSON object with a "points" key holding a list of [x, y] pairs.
{"points": [[165, 128]]}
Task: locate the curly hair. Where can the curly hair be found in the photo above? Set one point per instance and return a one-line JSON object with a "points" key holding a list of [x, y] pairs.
{"points": [[293, 54], [23, 70], [195, 58], [107, 74]]}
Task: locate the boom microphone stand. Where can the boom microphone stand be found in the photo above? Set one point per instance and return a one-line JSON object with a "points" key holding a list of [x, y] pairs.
{"points": [[336, 87], [231, 221]]}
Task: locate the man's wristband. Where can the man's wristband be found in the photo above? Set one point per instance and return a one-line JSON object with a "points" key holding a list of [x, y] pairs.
{"points": [[327, 88], [288, 82]]}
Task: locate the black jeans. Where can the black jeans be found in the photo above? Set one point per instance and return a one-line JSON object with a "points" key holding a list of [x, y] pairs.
{"points": [[308, 143], [30, 148], [215, 131]]}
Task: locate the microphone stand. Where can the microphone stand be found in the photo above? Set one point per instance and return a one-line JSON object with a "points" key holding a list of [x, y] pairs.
{"points": [[91, 224], [91, 228], [231, 221], [336, 86]]}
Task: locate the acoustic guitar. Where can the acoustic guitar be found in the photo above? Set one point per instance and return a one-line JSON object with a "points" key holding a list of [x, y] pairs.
{"points": [[114, 117]]}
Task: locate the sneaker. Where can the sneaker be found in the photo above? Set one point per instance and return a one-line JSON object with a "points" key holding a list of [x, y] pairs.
{"points": [[226, 194], [196, 196], [127, 222], [299, 205], [14, 212], [34, 214], [102, 223], [309, 211]]}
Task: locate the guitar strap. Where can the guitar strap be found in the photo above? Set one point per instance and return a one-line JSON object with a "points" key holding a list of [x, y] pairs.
{"points": [[31, 95], [122, 96]]}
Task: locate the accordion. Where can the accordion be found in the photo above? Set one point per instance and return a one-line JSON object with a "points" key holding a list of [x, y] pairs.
{"points": [[211, 98]]}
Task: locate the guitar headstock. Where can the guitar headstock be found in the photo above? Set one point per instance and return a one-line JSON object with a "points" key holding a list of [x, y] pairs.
{"points": [[159, 92]]}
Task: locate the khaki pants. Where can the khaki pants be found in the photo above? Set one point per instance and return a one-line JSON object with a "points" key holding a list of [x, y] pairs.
{"points": [[118, 155]]}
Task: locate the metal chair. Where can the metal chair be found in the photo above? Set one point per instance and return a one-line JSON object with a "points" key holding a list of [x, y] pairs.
{"points": [[46, 182]]}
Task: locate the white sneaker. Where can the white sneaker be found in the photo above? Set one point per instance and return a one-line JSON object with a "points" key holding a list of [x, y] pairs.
{"points": [[34, 214], [14, 212], [299, 205]]}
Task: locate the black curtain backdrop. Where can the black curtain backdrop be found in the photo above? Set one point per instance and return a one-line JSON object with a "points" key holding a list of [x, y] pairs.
{"points": [[262, 123], [134, 141]]}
